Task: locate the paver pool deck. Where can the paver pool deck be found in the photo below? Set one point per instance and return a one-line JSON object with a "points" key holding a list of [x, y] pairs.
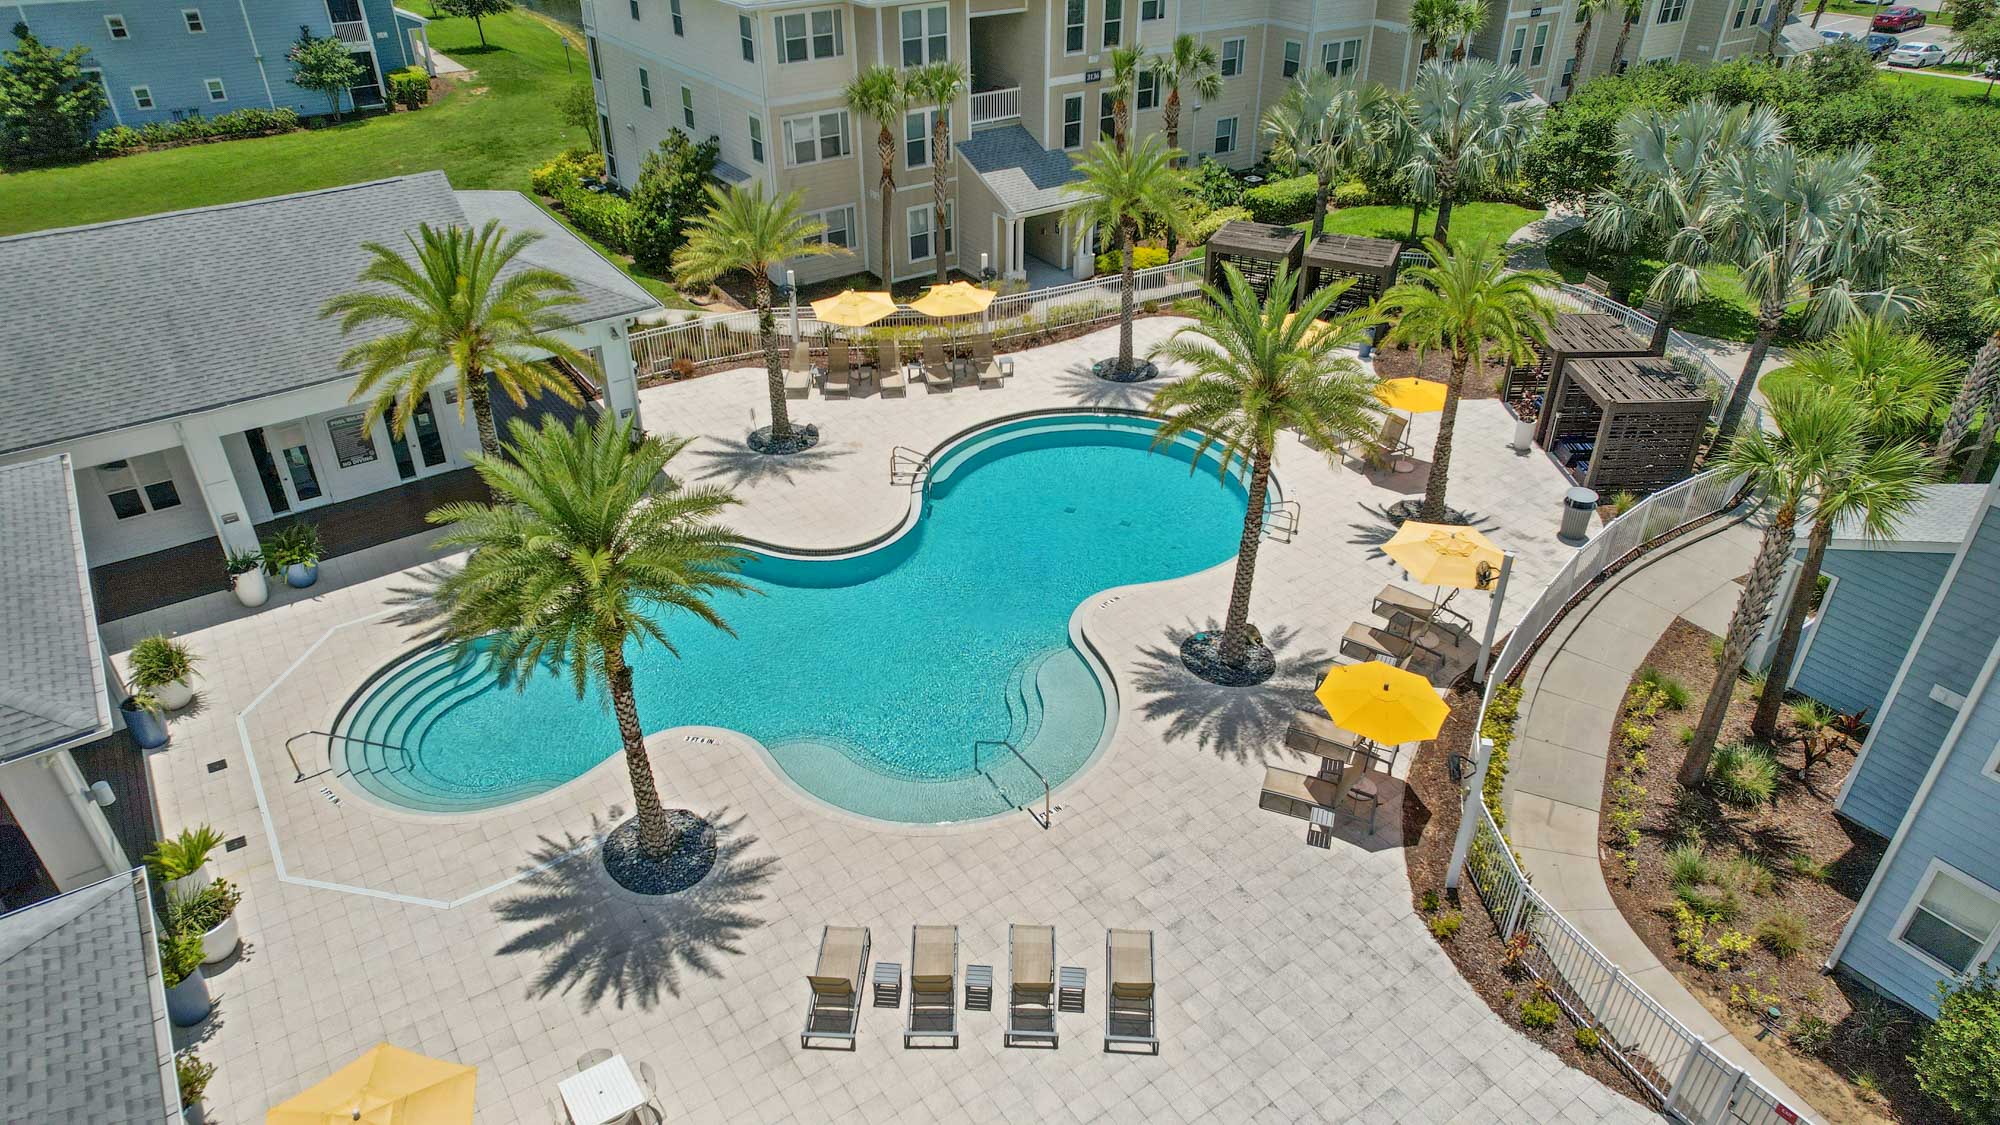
{"points": [[1296, 983]]}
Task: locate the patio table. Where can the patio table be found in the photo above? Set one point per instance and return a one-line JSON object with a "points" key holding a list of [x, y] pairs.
{"points": [[604, 1093]]}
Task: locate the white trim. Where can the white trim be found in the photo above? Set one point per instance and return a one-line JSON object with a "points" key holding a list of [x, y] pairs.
{"points": [[1235, 135], [1812, 628], [199, 26], [257, 53], [119, 31], [936, 236], [924, 34], [142, 101], [1929, 878], [1083, 26], [1992, 770], [759, 141], [1063, 124], [215, 87], [1242, 57], [819, 157], [687, 106], [853, 222]]}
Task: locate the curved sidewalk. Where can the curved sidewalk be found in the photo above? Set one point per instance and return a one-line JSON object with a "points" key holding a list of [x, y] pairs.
{"points": [[1571, 695]]}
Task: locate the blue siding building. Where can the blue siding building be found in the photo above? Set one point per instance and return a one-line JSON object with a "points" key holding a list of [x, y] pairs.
{"points": [[162, 60]]}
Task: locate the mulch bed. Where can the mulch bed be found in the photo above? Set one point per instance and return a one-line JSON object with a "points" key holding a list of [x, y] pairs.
{"points": [[1869, 1034], [1392, 362], [1430, 821]]}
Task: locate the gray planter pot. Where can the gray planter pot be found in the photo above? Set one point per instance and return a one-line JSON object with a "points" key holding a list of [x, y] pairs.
{"points": [[148, 728], [188, 1002], [300, 575]]}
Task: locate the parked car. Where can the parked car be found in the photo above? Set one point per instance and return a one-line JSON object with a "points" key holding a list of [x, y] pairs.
{"points": [[1898, 19], [1879, 44], [1917, 55], [1832, 36]]}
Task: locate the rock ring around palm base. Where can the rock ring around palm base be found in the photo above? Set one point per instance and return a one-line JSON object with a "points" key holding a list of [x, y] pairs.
{"points": [[1402, 511], [799, 440], [1140, 371], [689, 863], [1202, 655]]}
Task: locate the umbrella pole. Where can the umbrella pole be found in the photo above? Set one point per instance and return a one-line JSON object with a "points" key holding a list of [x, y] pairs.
{"points": [[1493, 617]]}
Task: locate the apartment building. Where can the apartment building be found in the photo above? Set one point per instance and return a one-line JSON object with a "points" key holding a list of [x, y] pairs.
{"points": [[764, 77]]}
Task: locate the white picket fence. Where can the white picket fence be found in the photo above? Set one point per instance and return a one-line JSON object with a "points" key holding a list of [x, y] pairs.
{"points": [[1687, 1079]]}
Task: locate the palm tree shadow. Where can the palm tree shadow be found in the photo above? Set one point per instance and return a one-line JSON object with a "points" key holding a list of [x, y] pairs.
{"points": [[738, 466], [1086, 389], [601, 942], [1238, 723], [417, 605]]}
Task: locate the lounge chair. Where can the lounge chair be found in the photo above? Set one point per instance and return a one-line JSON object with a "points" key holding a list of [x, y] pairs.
{"points": [[933, 985], [1389, 446], [1129, 1013], [937, 369], [1031, 985], [889, 369], [833, 1008], [799, 372], [837, 370], [989, 366], [1295, 794]]}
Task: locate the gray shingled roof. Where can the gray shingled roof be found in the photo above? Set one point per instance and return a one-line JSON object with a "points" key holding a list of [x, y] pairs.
{"points": [[1799, 39], [51, 669], [1939, 519], [144, 319], [83, 1032], [1020, 173]]}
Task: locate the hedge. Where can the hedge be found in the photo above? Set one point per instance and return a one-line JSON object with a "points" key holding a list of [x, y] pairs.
{"points": [[567, 170], [602, 215], [410, 87], [195, 129], [1283, 201], [1143, 257]]}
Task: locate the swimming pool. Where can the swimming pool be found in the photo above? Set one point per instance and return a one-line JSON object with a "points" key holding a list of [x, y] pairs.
{"points": [[898, 683]]}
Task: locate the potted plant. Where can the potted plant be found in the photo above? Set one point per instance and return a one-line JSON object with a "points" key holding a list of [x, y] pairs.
{"points": [[211, 913], [146, 719], [188, 1002], [246, 578], [294, 550], [181, 864], [164, 667], [192, 1074]]}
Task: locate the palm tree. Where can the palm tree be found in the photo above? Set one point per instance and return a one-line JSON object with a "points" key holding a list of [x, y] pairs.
{"points": [[1191, 63], [1818, 435], [1801, 227], [938, 86], [745, 231], [1469, 18], [1778, 20], [1586, 14], [1469, 304], [588, 542], [1631, 12], [1667, 166], [1127, 63], [1895, 380], [453, 311], [1469, 124], [1331, 126], [1433, 22], [1119, 191], [877, 94], [1981, 382], [1256, 370]]}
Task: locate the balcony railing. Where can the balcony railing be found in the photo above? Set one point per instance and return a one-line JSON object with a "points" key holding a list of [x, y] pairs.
{"points": [[354, 33], [996, 107]]}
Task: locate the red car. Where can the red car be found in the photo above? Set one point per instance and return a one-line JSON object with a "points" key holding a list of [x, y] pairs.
{"points": [[1898, 19]]}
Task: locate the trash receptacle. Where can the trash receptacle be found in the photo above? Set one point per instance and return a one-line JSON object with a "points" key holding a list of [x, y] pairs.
{"points": [[1579, 508]]}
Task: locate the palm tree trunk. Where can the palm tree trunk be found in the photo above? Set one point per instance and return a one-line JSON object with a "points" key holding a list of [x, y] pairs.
{"points": [[481, 398], [885, 149], [938, 153], [1433, 510], [1416, 217], [1983, 445], [1127, 231], [1965, 404], [1173, 120], [1319, 203], [774, 376], [1582, 41], [1236, 629], [1442, 230], [1739, 397], [1624, 34], [1663, 329], [1778, 19], [1818, 11], [1765, 725], [1121, 113], [1751, 606], [656, 836]]}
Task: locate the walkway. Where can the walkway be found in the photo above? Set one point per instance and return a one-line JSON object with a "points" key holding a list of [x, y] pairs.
{"points": [[1572, 693]]}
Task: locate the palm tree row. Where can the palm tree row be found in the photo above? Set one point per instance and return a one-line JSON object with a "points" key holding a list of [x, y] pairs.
{"points": [[1332, 126], [885, 96]]}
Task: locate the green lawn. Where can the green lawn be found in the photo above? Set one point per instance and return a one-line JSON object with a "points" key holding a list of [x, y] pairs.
{"points": [[1725, 311], [1962, 89], [1469, 222]]}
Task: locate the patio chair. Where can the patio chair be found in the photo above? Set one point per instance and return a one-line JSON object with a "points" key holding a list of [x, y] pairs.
{"points": [[937, 369], [799, 372], [833, 1006], [837, 370], [1389, 446], [984, 360], [889, 374], [1129, 1013], [1297, 795], [1031, 984], [933, 985]]}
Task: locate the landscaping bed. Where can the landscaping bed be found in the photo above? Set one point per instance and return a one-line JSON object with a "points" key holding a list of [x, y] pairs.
{"points": [[1393, 362], [1744, 900]]}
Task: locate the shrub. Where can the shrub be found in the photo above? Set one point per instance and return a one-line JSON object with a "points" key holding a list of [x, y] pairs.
{"points": [[47, 103], [1430, 902], [1806, 867], [1445, 926], [671, 193], [1746, 873], [567, 170], [1353, 193], [1143, 257], [1736, 943], [1673, 694], [1710, 902], [192, 1075], [204, 910], [410, 87], [1215, 184], [195, 128], [1810, 1034], [180, 956], [602, 215], [1687, 867], [1540, 1014], [159, 660], [184, 854], [1588, 1040], [1514, 955], [1877, 1022], [117, 139], [1783, 933], [1204, 228], [1742, 775], [1623, 501], [1283, 201]]}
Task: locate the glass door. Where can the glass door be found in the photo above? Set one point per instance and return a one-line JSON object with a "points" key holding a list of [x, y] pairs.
{"points": [[430, 443], [295, 464]]}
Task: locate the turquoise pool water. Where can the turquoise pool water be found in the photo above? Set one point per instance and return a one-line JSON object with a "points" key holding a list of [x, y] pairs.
{"points": [[890, 684]]}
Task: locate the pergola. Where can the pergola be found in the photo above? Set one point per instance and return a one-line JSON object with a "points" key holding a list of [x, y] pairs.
{"points": [[1625, 423], [1575, 335], [1371, 262], [1257, 250]]}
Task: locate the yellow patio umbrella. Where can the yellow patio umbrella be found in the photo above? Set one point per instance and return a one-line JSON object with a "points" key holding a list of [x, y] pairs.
{"points": [[1319, 328], [957, 299], [385, 1086], [1382, 703], [853, 310], [1438, 554], [1418, 396]]}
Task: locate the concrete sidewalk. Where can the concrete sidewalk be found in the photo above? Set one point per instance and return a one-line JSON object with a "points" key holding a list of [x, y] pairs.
{"points": [[1571, 696]]}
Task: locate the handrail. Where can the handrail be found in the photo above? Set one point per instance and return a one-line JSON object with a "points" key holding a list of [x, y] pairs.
{"points": [[408, 763], [908, 462], [1281, 520], [1047, 816]]}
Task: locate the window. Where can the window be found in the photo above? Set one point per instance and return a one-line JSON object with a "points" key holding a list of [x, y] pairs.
{"points": [[1541, 44], [645, 88], [839, 222], [745, 30], [926, 35], [1073, 27], [680, 24], [1072, 137], [816, 137], [634, 4], [596, 63], [139, 485], [1149, 89], [1952, 920], [116, 26], [687, 106], [1152, 9], [1225, 136], [1671, 11], [1757, 14], [917, 137], [1340, 58], [142, 96], [1294, 51], [610, 157], [192, 16], [1742, 6], [1114, 21], [1569, 72], [809, 35], [1107, 116], [215, 91], [757, 139], [919, 220], [1520, 44], [1232, 57]]}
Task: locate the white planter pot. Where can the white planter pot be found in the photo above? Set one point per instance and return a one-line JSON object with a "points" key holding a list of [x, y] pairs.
{"points": [[251, 588], [188, 886], [188, 1002], [219, 943], [1524, 436], [175, 695]]}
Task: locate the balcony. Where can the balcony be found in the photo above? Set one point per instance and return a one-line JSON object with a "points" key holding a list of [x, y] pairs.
{"points": [[354, 33], [996, 107]]}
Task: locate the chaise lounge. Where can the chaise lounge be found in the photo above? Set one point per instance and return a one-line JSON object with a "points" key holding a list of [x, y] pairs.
{"points": [[933, 985], [1031, 980], [889, 374], [799, 372], [1129, 1011], [833, 1008]]}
